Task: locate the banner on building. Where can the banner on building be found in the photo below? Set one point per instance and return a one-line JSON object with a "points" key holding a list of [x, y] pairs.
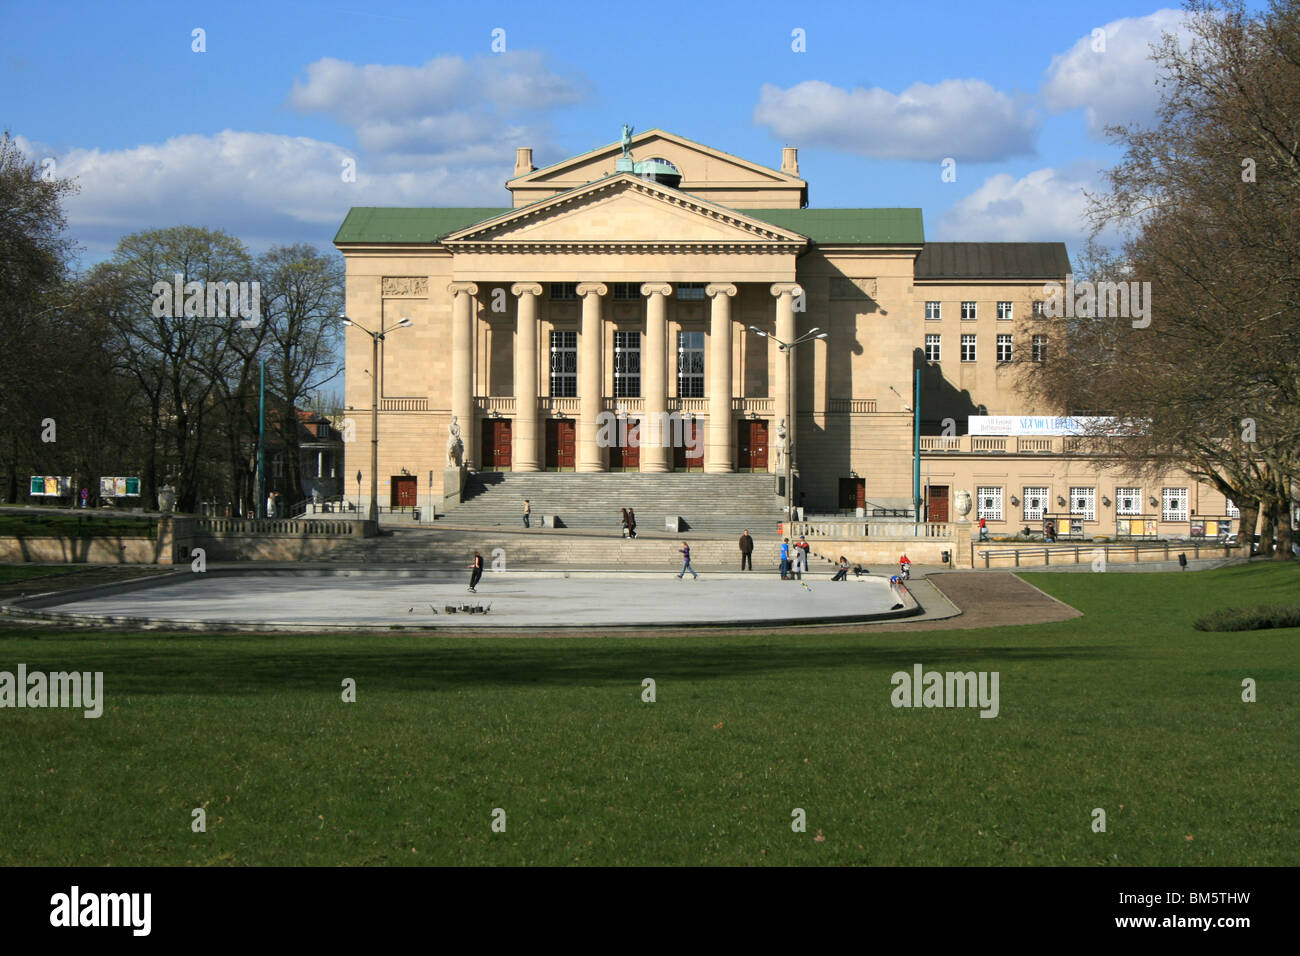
{"points": [[1046, 425]]}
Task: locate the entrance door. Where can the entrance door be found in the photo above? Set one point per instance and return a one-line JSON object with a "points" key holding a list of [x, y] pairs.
{"points": [[937, 503], [625, 454], [403, 491], [853, 494], [689, 455], [496, 444], [751, 445], [560, 437]]}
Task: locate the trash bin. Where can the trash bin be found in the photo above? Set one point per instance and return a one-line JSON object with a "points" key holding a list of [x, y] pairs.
{"points": [[415, 514], [946, 557]]}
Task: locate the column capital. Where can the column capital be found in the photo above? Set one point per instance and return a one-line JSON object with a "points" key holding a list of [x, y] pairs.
{"points": [[719, 288], [526, 288], [592, 288], [456, 288], [656, 288], [786, 288]]}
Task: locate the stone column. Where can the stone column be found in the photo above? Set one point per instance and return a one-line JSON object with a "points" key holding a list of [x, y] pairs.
{"points": [[524, 441], [462, 364], [717, 440], [591, 378], [785, 293], [656, 453]]}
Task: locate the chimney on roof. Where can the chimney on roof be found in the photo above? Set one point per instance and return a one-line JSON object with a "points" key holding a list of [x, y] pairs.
{"points": [[523, 160], [790, 160]]}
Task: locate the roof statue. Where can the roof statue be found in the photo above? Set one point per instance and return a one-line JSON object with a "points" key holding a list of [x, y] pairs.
{"points": [[627, 140]]}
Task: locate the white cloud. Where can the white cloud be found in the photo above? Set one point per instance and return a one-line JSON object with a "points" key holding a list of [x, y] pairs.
{"points": [[263, 187], [437, 107], [966, 119], [1118, 85], [441, 134], [1045, 205]]}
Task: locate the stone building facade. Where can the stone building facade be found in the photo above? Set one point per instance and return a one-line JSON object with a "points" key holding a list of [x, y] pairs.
{"points": [[647, 283]]}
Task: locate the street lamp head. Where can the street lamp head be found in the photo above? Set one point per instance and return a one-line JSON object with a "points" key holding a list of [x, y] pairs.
{"points": [[824, 335], [758, 331], [404, 322], [345, 320]]}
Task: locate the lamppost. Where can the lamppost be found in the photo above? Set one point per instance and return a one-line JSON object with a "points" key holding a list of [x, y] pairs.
{"points": [[788, 349], [915, 409], [375, 339]]}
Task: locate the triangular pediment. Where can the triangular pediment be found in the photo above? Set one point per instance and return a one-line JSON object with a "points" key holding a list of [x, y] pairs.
{"points": [[701, 165], [624, 210]]}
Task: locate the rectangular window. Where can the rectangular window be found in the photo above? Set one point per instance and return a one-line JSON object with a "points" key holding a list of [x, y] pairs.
{"points": [[968, 348], [1038, 310], [1004, 348], [1128, 501], [1035, 502], [690, 364], [564, 291], [933, 310], [1231, 510], [968, 311], [627, 364], [932, 348], [1083, 503], [988, 503], [1004, 310], [1040, 348], [564, 364], [1173, 504], [690, 290], [627, 291]]}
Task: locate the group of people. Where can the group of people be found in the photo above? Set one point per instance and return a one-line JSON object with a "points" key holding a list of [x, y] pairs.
{"points": [[794, 565]]}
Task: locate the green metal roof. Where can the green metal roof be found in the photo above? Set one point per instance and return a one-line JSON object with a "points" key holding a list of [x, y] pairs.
{"points": [[900, 226], [869, 226], [391, 224]]}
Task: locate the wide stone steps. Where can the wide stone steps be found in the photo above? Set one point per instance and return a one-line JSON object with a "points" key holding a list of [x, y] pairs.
{"points": [[707, 503]]}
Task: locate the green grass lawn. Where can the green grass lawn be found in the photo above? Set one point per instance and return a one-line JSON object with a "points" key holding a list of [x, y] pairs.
{"points": [[1126, 708]]}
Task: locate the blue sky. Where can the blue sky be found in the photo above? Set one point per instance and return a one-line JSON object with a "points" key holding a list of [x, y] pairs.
{"points": [[250, 135]]}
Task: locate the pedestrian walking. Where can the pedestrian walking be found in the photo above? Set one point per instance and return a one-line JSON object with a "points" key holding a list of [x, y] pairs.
{"points": [[528, 512], [785, 559], [623, 522], [843, 573], [984, 529], [746, 552], [685, 550], [477, 573], [631, 523]]}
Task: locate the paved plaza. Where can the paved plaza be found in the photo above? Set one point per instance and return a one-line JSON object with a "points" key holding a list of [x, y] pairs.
{"points": [[375, 598]]}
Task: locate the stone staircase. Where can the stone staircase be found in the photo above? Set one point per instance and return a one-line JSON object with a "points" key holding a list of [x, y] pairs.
{"points": [[709, 504], [453, 549]]}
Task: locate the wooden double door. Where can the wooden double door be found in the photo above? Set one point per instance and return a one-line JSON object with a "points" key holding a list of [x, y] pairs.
{"points": [[936, 503], [402, 492], [496, 451], [688, 454], [853, 494], [751, 445], [561, 442], [625, 453]]}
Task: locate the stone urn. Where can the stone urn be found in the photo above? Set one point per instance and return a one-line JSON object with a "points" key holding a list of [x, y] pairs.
{"points": [[166, 498], [962, 502]]}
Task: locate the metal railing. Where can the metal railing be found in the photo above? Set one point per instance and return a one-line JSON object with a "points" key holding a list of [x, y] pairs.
{"points": [[880, 530], [1088, 553]]}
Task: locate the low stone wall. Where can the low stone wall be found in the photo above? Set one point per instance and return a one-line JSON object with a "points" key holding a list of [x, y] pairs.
{"points": [[108, 550], [222, 539]]}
